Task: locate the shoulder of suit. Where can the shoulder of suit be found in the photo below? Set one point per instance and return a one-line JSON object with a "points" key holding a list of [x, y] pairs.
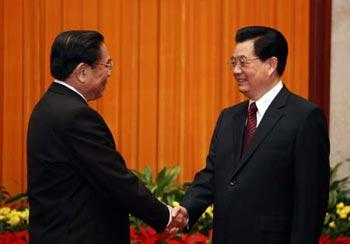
{"points": [[62, 108], [236, 107], [300, 108], [302, 102]]}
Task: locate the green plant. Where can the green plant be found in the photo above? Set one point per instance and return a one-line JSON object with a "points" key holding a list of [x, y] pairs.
{"points": [[337, 220], [20, 198], [4, 194], [12, 219], [338, 188], [163, 185], [166, 189]]}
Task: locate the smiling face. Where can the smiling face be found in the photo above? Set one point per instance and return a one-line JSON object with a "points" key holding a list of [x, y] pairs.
{"points": [[254, 77], [94, 78]]}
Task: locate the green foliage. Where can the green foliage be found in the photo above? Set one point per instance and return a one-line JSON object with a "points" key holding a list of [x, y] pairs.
{"points": [[4, 194], [163, 186], [18, 198], [337, 221], [205, 223], [13, 219], [166, 189], [338, 188]]}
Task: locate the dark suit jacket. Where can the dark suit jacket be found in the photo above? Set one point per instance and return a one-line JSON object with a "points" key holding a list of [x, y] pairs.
{"points": [[80, 190], [277, 192]]}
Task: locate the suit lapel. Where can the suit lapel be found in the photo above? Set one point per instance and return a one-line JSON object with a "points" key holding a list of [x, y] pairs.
{"points": [[238, 124], [234, 140], [271, 117]]}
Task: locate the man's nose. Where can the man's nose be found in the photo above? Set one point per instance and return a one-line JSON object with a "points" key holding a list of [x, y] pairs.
{"points": [[236, 69]]}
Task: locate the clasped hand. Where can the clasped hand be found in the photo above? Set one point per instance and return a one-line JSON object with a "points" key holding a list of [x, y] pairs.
{"points": [[179, 220]]}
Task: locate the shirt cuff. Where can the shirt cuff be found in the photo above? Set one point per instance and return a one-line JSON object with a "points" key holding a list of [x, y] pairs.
{"points": [[170, 217]]}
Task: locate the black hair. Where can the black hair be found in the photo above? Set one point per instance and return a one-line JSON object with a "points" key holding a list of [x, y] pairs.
{"points": [[268, 43], [73, 47]]}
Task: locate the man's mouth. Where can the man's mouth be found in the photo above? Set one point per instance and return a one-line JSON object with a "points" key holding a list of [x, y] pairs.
{"points": [[240, 80]]}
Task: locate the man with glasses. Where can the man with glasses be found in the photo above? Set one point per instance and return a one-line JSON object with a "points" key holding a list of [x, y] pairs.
{"points": [[80, 190], [267, 171]]}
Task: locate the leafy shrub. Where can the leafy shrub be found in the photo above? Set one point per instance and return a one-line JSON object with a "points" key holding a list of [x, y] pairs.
{"points": [[337, 221], [166, 189]]}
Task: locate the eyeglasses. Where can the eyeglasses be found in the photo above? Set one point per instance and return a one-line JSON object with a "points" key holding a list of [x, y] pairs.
{"points": [[241, 60], [109, 65]]}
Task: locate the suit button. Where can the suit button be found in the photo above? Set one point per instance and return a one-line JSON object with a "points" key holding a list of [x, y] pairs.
{"points": [[233, 182]]}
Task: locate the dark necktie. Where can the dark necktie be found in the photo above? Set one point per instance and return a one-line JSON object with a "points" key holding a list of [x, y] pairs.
{"points": [[251, 125]]}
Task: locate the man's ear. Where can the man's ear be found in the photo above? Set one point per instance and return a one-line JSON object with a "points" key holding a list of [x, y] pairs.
{"points": [[272, 62], [81, 72]]}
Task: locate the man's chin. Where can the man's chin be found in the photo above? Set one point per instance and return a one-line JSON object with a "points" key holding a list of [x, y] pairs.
{"points": [[243, 89]]}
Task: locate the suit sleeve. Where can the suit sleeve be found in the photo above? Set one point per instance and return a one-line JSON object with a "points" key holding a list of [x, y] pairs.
{"points": [[201, 193], [311, 179], [95, 158]]}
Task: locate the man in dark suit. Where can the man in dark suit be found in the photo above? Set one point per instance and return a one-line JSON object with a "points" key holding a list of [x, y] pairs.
{"points": [[80, 190], [267, 171]]}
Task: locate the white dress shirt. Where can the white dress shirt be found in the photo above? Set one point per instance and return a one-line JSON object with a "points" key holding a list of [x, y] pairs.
{"points": [[264, 102], [69, 87]]}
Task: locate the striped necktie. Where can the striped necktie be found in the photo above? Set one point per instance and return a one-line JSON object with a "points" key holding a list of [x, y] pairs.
{"points": [[251, 125]]}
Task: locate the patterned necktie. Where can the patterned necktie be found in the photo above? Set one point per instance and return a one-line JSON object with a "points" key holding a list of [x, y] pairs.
{"points": [[251, 125]]}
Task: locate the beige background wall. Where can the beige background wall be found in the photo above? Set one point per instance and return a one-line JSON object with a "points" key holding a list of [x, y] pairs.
{"points": [[340, 84]]}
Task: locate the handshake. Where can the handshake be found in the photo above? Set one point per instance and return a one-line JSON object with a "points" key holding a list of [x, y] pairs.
{"points": [[179, 220]]}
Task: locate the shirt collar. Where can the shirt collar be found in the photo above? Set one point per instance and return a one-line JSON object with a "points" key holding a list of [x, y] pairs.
{"points": [[264, 102], [70, 87]]}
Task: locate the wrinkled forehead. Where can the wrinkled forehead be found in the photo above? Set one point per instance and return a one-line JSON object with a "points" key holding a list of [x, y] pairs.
{"points": [[245, 48]]}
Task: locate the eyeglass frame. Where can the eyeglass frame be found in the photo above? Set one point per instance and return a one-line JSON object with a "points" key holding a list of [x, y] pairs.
{"points": [[242, 60], [109, 65]]}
